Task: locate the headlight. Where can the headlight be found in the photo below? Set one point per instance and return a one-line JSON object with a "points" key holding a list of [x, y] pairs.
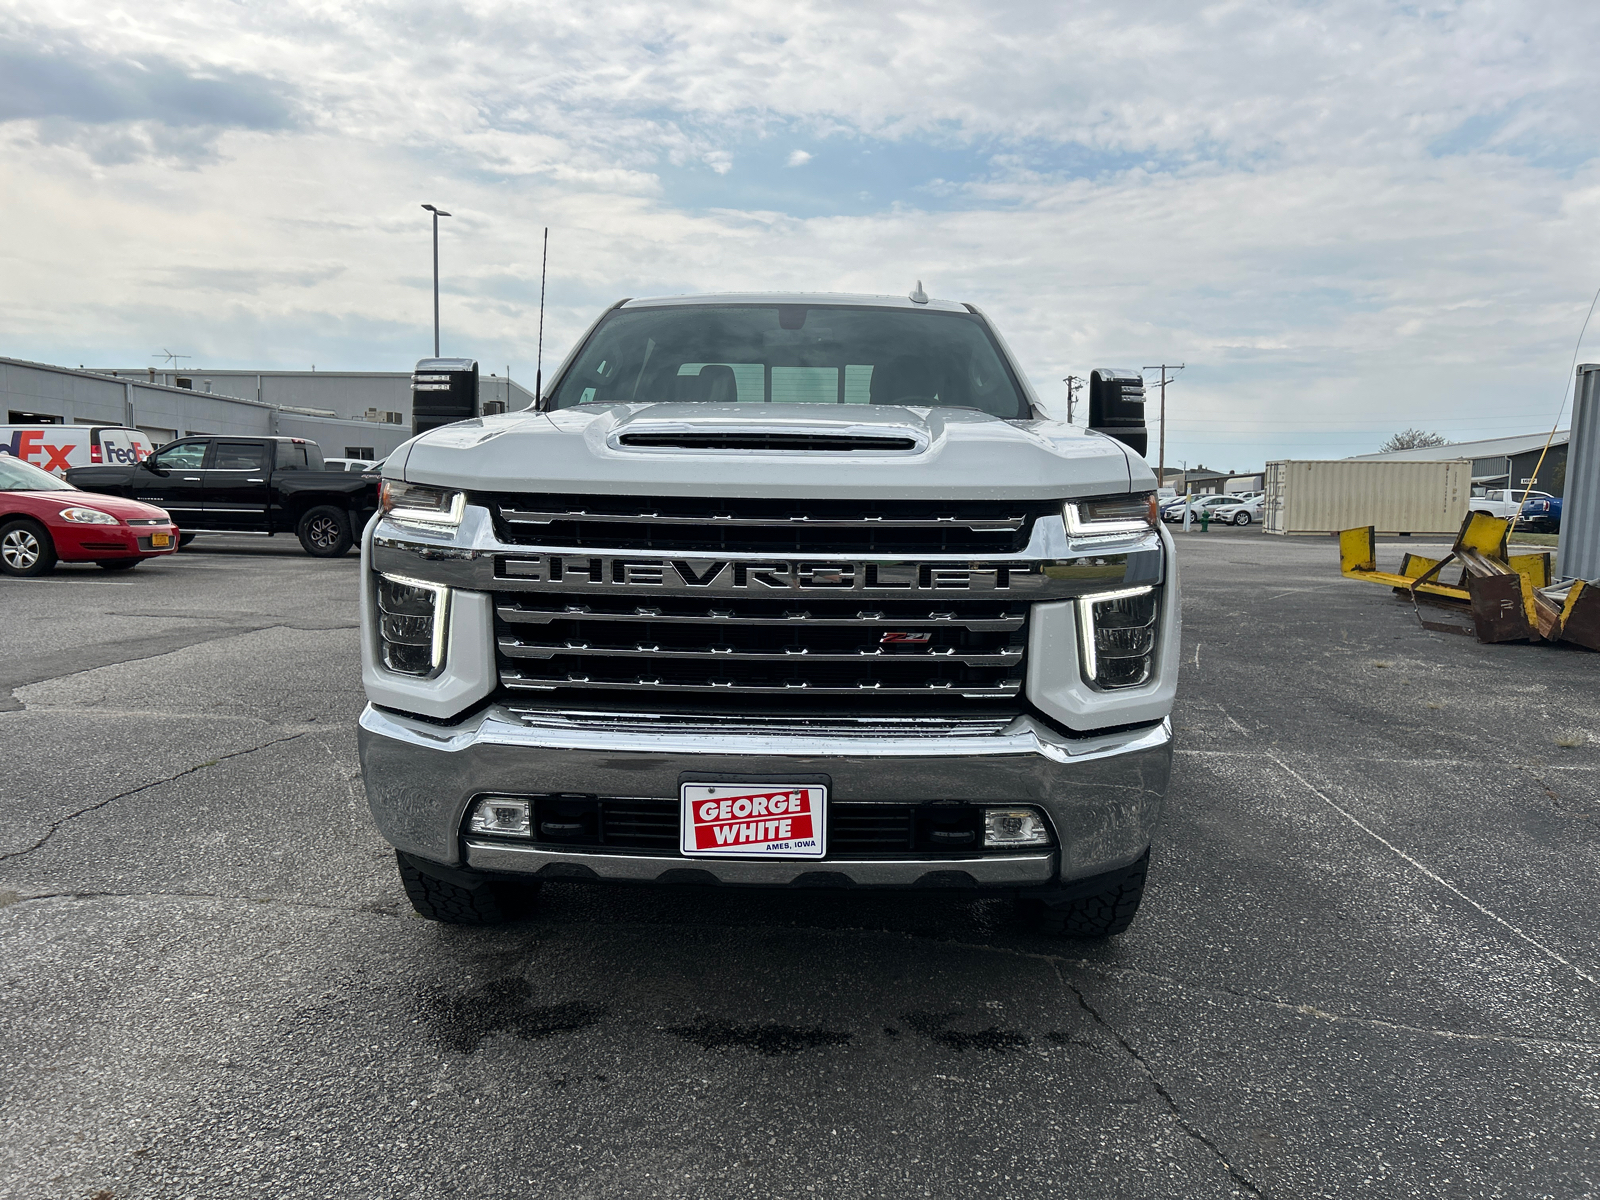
{"points": [[1112, 516], [415, 504], [1117, 637], [88, 516], [412, 624]]}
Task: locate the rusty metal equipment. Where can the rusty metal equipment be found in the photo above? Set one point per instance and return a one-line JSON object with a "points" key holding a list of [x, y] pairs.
{"points": [[1509, 596]]}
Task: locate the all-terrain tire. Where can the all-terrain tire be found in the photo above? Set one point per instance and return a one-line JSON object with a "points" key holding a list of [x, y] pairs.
{"points": [[487, 903], [1100, 914], [26, 549], [118, 564], [324, 531]]}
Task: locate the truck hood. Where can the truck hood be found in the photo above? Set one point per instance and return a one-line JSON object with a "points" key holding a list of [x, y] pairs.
{"points": [[799, 451]]}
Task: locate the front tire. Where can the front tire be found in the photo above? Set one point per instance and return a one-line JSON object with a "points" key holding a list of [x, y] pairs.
{"points": [[485, 903], [26, 549], [118, 564], [1241, 518], [324, 531], [1104, 912]]}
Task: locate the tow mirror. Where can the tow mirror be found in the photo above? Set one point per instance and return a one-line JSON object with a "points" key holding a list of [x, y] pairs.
{"points": [[1116, 406]]}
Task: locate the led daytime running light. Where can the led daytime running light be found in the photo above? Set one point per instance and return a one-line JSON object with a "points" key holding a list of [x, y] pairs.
{"points": [[1082, 523], [399, 504], [438, 619], [1087, 631]]}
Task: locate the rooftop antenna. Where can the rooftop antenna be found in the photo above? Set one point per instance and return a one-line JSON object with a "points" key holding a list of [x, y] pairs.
{"points": [[170, 357], [919, 296], [538, 370]]}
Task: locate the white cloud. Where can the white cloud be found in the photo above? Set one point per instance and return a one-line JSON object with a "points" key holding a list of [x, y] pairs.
{"points": [[1343, 215]]}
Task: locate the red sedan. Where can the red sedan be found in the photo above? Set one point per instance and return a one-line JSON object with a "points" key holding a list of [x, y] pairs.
{"points": [[45, 520]]}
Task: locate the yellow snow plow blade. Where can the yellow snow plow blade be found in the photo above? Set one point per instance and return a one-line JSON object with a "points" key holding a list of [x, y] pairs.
{"points": [[1358, 559], [1505, 593]]}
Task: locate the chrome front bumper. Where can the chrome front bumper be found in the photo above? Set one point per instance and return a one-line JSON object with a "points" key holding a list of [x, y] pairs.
{"points": [[1103, 795]]}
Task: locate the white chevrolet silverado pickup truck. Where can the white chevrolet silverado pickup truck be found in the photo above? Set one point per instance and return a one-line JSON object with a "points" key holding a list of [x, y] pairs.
{"points": [[775, 591]]}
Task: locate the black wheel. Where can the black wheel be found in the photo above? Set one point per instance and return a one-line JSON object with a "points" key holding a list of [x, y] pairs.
{"points": [[184, 539], [485, 903], [324, 531], [119, 564], [1103, 912], [1241, 518], [26, 548]]}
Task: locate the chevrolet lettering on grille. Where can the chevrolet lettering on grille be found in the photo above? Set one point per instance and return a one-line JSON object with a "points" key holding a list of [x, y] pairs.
{"points": [[687, 574]]}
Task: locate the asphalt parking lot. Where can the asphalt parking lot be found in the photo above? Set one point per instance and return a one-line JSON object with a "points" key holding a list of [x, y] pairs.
{"points": [[1368, 963]]}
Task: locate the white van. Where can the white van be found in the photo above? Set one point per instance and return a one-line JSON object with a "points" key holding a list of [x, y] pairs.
{"points": [[57, 447]]}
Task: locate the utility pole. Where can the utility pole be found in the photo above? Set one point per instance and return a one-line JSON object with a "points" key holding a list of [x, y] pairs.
{"points": [[1161, 463], [1073, 382], [437, 213]]}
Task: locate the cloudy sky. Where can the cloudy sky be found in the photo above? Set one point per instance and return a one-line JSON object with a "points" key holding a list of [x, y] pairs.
{"points": [[1346, 218]]}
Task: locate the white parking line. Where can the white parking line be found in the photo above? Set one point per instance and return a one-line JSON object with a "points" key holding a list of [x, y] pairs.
{"points": [[1440, 880]]}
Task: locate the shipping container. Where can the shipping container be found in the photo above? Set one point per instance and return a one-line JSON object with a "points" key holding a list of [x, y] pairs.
{"points": [[1393, 497]]}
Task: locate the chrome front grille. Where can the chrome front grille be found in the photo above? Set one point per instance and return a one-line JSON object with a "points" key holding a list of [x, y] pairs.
{"points": [[708, 525], [769, 648]]}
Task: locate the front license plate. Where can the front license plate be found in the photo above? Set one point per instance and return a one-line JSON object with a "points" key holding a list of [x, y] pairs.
{"points": [[160, 539], [742, 820]]}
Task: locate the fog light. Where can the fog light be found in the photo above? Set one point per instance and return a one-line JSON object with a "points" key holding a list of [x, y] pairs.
{"points": [[500, 816], [1014, 827]]}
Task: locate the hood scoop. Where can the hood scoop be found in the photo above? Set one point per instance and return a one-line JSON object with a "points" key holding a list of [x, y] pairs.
{"points": [[719, 428], [767, 440]]}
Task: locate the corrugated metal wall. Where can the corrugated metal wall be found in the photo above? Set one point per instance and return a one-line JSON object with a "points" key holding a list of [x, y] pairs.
{"points": [[77, 396], [1578, 555], [1394, 497]]}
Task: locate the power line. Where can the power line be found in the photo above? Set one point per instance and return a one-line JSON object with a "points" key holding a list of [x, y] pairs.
{"points": [[1225, 422]]}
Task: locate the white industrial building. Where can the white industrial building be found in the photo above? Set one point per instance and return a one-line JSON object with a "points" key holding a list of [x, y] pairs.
{"points": [[1498, 462], [351, 414]]}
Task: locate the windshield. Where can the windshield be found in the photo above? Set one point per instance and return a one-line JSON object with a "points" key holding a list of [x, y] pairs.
{"points": [[792, 354], [18, 476]]}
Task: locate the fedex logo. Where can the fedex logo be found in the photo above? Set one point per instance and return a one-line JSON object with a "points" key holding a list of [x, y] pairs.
{"points": [[29, 446], [118, 454]]}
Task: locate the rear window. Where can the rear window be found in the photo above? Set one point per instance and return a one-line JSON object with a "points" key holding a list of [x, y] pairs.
{"points": [[792, 354], [292, 456], [239, 456]]}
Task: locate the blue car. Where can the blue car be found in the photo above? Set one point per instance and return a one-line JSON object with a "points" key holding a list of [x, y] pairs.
{"points": [[1542, 515]]}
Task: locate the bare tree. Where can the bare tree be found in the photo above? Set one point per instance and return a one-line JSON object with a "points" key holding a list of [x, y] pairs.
{"points": [[1413, 439]]}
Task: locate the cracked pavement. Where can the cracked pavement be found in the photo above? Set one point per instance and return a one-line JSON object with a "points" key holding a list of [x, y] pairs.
{"points": [[1366, 964]]}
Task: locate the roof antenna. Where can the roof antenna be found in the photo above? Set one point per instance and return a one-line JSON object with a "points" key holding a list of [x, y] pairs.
{"points": [[919, 296], [538, 370]]}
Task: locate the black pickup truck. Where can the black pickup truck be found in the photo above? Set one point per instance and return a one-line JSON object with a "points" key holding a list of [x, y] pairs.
{"points": [[246, 485]]}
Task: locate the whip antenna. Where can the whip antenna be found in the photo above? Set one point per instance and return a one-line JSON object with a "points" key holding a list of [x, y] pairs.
{"points": [[538, 370]]}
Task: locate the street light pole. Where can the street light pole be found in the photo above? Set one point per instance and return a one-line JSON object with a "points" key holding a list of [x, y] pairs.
{"points": [[437, 213]]}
